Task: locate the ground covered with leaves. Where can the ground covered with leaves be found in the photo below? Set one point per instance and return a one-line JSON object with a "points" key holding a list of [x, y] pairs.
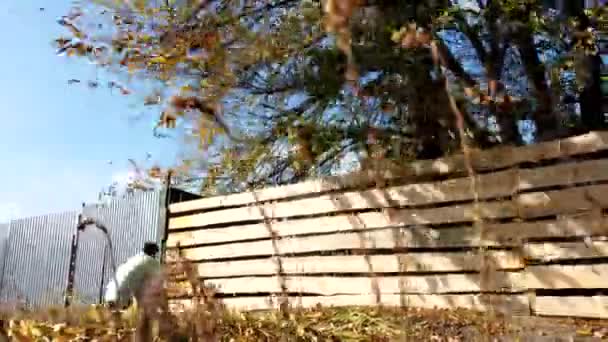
{"points": [[319, 324]]}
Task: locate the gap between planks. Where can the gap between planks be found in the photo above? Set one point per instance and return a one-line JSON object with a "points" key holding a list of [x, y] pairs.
{"points": [[412, 262], [548, 277], [334, 285], [506, 304]]}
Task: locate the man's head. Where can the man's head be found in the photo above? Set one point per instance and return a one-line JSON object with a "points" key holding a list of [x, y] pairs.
{"points": [[151, 249]]}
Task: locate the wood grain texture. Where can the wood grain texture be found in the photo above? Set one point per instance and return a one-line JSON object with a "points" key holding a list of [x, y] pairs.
{"points": [[566, 250], [562, 202], [562, 174], [482, 161], [584, 307], [507, 304], [567, 226], [566, 277]]}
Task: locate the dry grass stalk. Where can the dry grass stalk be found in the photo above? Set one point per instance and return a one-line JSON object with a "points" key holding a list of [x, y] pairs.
{"points": [[474, 186]]}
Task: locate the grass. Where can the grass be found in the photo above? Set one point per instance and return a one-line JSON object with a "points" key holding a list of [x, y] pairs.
{"points": [[318, 324], [210, 320], [216, 323]]}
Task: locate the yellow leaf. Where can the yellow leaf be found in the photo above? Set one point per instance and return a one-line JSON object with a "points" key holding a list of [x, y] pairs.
{"points": [[93, 315], [59, 328], [36, 331], [584, 332], [158, 60], [131, 313], [186, 88], [140, 5]]}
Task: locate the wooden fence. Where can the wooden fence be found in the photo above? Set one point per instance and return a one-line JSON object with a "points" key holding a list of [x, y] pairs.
{"points": [[414, 240]]}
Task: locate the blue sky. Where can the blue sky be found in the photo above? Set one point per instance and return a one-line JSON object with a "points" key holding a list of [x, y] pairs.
{"points": [[57, 138]]}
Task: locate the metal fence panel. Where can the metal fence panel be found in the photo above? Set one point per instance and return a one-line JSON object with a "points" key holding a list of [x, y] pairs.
{"points": [[88, 277], [4, 231], [58, 238], [37, 250], [21, 256], [37, 259], [131, 221]]}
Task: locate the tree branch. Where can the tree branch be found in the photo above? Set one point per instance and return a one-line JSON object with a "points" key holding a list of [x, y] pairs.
{"points": [[546, 123], [451, 63], [474, 38]]}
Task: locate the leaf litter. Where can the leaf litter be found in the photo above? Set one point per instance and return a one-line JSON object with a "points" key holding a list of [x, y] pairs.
{"points": [[377, 324]]}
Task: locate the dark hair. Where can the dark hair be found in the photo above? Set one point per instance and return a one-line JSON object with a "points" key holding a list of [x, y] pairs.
{"points": [[150, 248]]}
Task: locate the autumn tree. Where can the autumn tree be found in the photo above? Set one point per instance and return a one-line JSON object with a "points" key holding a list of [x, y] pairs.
{"points": [[277, 91]]}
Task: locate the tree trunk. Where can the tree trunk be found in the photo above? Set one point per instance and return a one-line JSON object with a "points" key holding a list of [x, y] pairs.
{"points": [[547, 125], [590, 99]]}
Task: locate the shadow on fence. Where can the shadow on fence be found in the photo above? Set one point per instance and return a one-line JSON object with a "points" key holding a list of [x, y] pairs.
{"points": [[412, 234]]}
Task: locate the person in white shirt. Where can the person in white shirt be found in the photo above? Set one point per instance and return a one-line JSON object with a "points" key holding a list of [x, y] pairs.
{"points": [[132, 276]]}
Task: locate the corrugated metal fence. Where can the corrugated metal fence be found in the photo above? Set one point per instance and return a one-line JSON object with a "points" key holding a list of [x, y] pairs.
{"points": [[130, 222], [36, 251], [33, 274], [4, 229]]}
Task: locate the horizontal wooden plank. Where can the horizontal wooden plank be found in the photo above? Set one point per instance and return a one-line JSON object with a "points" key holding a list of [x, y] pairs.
{"points": [[383, 239], [482, 160], [490, 186], [507, 304], [563, 202], [562, 174], [576, 306], [567, 277], [451, 214], [333, 285], [566, 250], [507, 234], [515, 233], [527, 205], [341, 223], [399, 263]]}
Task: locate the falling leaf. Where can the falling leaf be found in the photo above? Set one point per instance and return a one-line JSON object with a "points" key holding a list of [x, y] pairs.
{"points": [[154, 172], [152, 100], [62, 41], [167, 120]]}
